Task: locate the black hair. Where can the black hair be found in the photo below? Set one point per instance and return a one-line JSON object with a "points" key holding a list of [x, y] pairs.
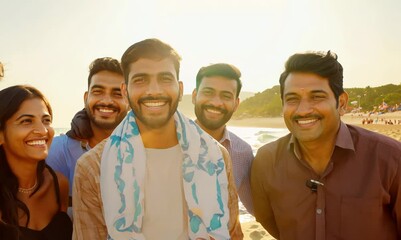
{"points": [[104, 64], [151, 49], [220, 69], [319, 63]]}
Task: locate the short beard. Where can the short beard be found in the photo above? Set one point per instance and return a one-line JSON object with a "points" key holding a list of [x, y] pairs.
{"points": [[211, 125], [101, 124], [151, 122]]}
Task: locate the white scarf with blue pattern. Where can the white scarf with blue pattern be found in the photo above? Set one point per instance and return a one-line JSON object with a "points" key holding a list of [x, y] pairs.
{"points": [[205, 181]]}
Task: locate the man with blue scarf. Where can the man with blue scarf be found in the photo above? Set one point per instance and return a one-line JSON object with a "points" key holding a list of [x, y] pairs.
{"points": [[158, 176]]}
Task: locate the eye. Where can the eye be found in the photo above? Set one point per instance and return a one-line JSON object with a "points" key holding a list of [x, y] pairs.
{"points": [[26, 121], [97, 91], [318, 97], [138, 80], [227, 96], [291, 100], [117, 94], [207, 92], [167, 78], [47, 121]]}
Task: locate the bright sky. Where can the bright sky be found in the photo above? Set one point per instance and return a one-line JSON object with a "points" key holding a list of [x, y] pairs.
{"points": [[50, 44]]}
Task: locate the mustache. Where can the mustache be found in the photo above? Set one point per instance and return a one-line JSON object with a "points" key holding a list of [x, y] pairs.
{"points": [[214, 108], [151, 98], [297, 117], [111, 106]]}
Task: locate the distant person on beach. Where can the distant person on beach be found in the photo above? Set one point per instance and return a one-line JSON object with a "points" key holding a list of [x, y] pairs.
{"points": [[158, 176], [216, 98], [326, 179], [105, 107], [1, 71], [33, 198]]}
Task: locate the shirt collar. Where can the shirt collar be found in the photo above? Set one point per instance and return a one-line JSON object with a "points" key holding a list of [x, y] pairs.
{"points": [[226, 136]]}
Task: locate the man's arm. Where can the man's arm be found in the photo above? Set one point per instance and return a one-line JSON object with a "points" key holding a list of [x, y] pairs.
{"points": [[234, 223], [87, 205], [395, 192], [261, 202], [244, 190], [56, 157]]}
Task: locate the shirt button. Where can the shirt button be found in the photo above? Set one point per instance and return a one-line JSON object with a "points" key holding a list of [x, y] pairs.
{"points": [[319, 211]]}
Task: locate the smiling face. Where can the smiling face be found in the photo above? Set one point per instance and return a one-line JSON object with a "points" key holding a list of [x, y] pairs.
{"points": [[310, 109], [104, 103], [153, 92], [215, 101], [27, 135]]}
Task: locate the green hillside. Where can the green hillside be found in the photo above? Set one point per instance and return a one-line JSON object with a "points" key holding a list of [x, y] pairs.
{"points": [[268, 103]]}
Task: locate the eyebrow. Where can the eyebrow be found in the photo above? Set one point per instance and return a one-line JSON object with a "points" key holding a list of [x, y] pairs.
{"points": [[146, 74], [31, 116], [313, 92], [25, 115], [97, 86]]}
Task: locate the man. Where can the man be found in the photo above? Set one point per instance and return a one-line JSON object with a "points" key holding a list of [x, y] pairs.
{"points": [[326, 179], [158, 176], [105, 107], [216, 98]]}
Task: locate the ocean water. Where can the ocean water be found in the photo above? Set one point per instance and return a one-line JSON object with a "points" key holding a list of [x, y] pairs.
{"points": [[256, 137]]}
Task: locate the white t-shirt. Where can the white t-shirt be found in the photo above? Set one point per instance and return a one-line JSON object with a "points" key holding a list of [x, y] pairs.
{"points": [[164, 216]]}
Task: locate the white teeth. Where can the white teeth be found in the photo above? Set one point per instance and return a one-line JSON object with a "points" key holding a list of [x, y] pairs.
{"points": [[154, 104], [306, 121], [213, 111], [36, 142], [105, 110]]}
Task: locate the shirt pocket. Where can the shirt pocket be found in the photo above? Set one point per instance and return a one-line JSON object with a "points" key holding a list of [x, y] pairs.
{"points": [[360, 218]]}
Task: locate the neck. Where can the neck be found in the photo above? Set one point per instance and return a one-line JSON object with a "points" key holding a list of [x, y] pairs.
{"points": [[25, 173], [160, 138], [99, 135], [317, 154], [217, 134]]}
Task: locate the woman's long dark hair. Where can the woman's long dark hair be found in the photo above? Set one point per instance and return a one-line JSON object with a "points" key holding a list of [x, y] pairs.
{"points": [[11, 99]]}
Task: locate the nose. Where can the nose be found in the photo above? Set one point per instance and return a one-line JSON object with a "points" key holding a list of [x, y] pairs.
{"points": [[304, 107], [216, 100], [40, 128], [154, 87]]}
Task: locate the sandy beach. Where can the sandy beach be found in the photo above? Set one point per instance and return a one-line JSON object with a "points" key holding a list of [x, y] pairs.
{"points": [[253, 230]]}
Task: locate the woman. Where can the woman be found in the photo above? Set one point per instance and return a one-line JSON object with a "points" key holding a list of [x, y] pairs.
{"points": [[33, 198]]}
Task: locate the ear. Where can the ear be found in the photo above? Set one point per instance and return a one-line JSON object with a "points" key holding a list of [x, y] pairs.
{"points": [[237, 102], [1, 137], [86, 96], [123, 88], [181, 86], [342, 103], [194, 94]]}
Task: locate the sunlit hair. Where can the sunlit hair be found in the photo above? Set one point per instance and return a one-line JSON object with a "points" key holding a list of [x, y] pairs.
{"points": [[320, 63], [150, 49], [11, 99], [104, 64], [220, 70]]}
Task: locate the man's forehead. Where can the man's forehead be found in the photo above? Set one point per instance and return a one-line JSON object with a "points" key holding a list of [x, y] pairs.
{"points": [[219, 83], [305, 82]]}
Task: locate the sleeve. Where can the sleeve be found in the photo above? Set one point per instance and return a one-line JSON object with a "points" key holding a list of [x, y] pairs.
{"points": [[234, 223], [87, 206], [395, 192], [262, 208], [244, 190], [56, 157]]}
